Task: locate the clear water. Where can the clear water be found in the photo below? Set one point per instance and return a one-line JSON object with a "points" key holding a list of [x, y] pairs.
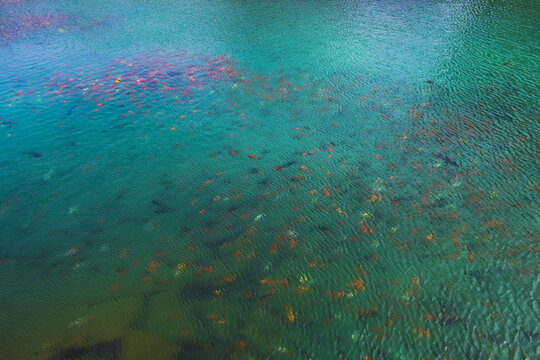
{"points": [[278, 179]]}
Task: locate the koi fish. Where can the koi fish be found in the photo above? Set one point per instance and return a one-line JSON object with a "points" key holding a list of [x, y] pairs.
{"points": [[283, 166], [206, 183], [205, 270], [152, 266], [289, 313], [33, 154], [446, 159]]}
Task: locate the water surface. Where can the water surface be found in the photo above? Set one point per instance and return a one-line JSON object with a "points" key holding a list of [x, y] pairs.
{"points": [[283, 179]]}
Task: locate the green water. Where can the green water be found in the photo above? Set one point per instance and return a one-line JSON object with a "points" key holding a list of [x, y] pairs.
{"points": [[269, 180]]}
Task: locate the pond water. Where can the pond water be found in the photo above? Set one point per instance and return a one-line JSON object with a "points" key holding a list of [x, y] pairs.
{"points": [[269, 180]]}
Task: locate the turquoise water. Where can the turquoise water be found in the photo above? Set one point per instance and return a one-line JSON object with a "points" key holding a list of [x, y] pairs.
{"points": [[269, 180]]}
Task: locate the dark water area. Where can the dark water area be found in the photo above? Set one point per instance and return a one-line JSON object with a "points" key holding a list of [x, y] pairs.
{"points": [[269, 180]]}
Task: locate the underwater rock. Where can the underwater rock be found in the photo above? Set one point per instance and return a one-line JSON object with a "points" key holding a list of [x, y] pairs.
{"points": [[169, 318], [141, 345], [79, 350], [73, 331]]}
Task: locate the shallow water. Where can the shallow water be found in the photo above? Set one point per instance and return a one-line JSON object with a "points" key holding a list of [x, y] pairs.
{"points": [[287, 179]]}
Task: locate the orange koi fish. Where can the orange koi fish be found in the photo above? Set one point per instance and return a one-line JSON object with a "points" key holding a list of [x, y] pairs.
{"points": [[152, 266]]}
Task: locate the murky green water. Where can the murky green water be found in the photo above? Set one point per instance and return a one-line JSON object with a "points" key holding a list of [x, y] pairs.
{"points": [[269, 180]]}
